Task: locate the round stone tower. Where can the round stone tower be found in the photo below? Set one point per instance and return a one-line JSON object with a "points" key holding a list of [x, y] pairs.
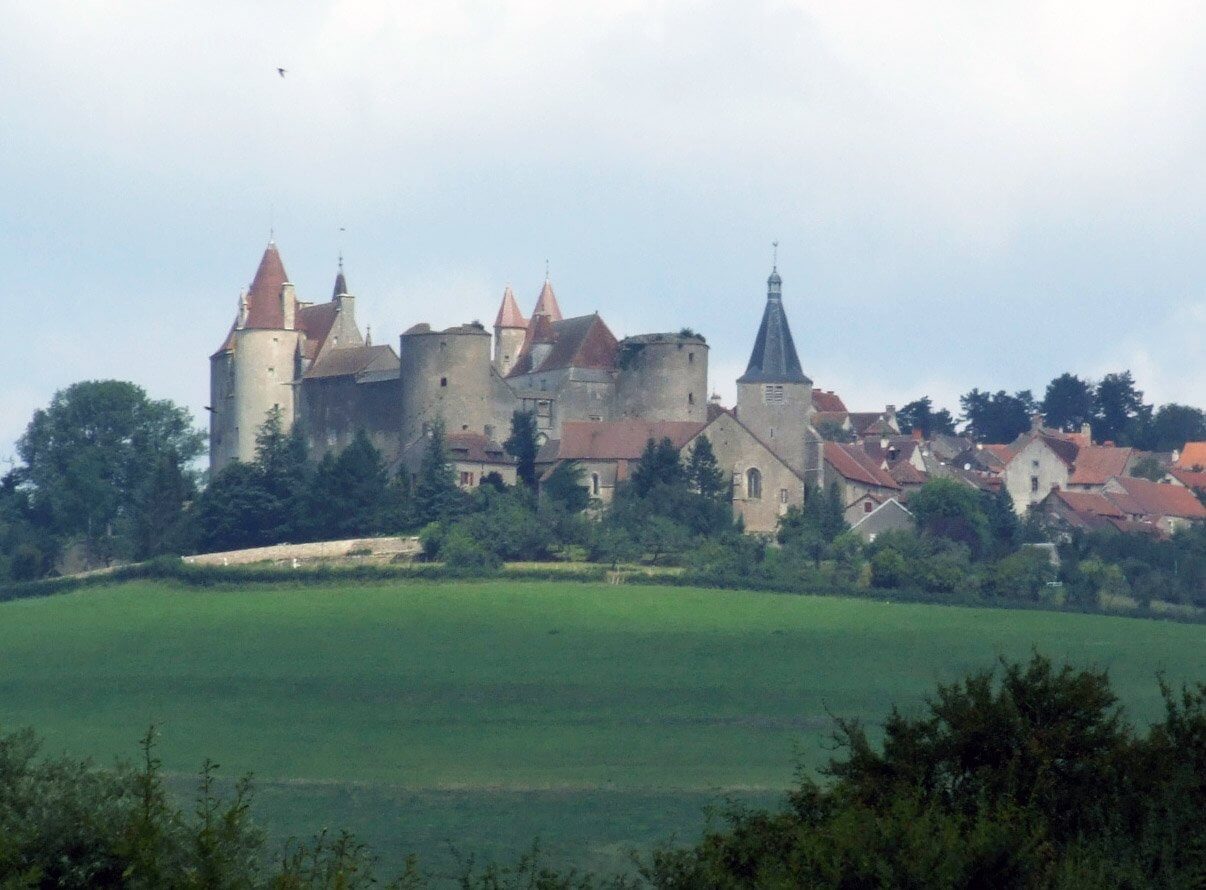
{"points": [[445, 374], [663, 377]]}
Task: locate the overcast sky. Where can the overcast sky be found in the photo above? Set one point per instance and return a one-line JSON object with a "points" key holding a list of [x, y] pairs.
{"points": [[964, 194]]}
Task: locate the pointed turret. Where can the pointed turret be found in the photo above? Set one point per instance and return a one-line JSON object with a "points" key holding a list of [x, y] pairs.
{"points": [[341, 283], [264, 295], [509, 315], [774, 358], [510, 329], [547, 303]]}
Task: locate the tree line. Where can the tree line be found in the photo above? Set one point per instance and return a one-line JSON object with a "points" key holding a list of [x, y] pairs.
{"points": [[1113, 406]]}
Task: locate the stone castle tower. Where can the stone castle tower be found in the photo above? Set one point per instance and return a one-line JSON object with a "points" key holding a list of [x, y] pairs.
{"points": [[274, 341]]}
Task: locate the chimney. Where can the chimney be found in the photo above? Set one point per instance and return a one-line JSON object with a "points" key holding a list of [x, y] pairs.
{"points": [[288, 305], [1036, 422], [1086, 430], [242, 322], [890, 410], [918, 434]]}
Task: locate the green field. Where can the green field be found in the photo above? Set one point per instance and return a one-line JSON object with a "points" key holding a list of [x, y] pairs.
{"points": [[598, 717]]}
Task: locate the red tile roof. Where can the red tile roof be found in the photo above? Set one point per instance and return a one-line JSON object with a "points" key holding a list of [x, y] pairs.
{"points": [[1192, 455], [315, 322], [546, 303], [353, 360], [853, 463], [1195, 479], [822, 417], [618, 439], [906, 474], [509, 315], [827, 401], [476, 448], [1097, 463], [1139, 497], [582, 342], [1089, 503], [264, 295]]}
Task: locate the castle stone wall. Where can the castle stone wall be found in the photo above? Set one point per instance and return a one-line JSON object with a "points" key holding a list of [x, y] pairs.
{"points": [[332, 410]]}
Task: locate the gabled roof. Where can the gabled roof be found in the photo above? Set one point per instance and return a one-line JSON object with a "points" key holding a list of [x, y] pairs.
{"points": [[1097, 463], [582, 342], [868, 423], [774, 358], [1089, 503], [840, 418], [906, 474], [316, 323], [853, 463], [1192, 455], [509, 315], [890, 505], [476, 448], [1195, 479], [1139, 497], [546, 303], [352, 361], [615, 439], [827, 401], [264, 294]]}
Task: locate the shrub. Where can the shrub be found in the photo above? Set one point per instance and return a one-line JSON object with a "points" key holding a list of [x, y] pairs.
{"points": [[459, 551]]}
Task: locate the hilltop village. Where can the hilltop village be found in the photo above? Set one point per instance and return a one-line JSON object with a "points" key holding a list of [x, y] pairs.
{"points": [[597, 400]]}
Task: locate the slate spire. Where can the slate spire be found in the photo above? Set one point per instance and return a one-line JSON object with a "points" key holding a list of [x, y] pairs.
{"points": [[340, 281], [774, 358]]}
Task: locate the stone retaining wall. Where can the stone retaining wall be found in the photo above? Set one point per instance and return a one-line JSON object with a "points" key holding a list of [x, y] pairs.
{"points": [[375, 549]]}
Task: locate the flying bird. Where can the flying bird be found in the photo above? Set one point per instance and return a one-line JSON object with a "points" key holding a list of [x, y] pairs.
{"points": [[280, 71]]}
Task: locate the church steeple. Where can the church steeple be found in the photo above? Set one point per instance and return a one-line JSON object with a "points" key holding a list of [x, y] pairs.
{"points": [[774, 358], [341, 283]]}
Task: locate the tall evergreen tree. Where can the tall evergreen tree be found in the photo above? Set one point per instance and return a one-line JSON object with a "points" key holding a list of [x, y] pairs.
{"points": [[920, 414], [522, 445], [997, 417], [565, 488], [436, 495], [1068, 403], [1118, 409], [160, 513], [703, 472], [281, 459], [660, 465]]}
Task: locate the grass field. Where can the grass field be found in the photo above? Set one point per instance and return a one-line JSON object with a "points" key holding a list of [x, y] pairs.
{"points": [[598, 717]]}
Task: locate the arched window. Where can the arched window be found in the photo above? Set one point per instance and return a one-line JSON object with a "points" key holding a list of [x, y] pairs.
{"points": [[594, 484], [753, 484]]}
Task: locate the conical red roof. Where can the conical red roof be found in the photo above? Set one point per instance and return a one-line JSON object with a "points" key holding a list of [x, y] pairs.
{"points": [[547, 304], [509, 315], [264, 295]]}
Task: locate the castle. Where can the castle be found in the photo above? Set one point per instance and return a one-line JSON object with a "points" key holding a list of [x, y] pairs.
{"points": [[312, 362]]}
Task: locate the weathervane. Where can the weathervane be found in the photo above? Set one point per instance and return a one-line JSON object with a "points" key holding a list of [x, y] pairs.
{"points": [[775, 255]]}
